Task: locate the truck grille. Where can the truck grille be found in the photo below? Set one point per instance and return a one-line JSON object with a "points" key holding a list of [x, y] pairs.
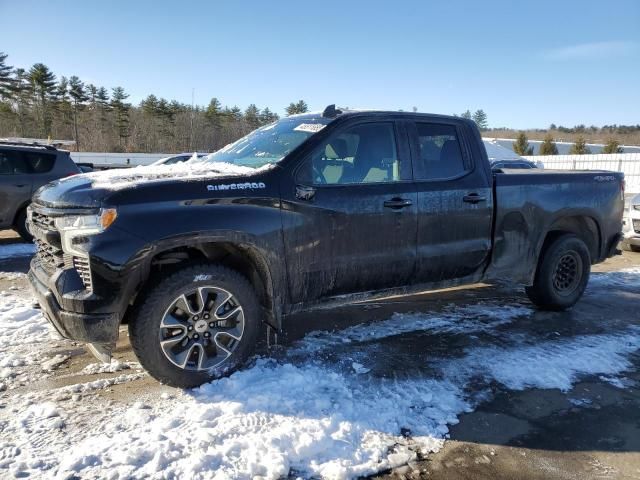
{"points": [[84, 271], [636, 225], [41, 220], [51, 258]]}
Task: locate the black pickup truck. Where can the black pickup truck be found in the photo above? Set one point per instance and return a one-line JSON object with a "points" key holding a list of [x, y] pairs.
{"points": [[315, 209]]}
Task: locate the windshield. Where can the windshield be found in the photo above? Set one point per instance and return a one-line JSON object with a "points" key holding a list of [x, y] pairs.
{"points": [[269, 144]]}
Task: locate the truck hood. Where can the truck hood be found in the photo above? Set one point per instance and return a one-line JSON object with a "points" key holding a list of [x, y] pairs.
{"points": [[91, 190]]}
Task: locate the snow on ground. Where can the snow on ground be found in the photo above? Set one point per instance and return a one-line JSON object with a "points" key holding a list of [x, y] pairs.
{"points": [[628, 278], [321, 408], [23, 332], [16, 250]]}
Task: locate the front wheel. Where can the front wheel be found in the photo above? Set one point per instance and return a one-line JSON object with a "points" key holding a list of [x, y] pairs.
{"points": [[562, 275], [198, 324]]}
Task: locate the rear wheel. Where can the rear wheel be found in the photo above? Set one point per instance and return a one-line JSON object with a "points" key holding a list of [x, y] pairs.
{"points": [[562, 275], [198, 324], [21, 226]]}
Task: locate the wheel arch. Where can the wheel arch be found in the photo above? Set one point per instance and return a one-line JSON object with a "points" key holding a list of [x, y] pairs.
{"points": [[240, 255], [584, 227]]}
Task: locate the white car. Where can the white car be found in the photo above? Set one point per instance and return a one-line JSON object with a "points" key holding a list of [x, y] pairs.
{"points": [[631, 226]]}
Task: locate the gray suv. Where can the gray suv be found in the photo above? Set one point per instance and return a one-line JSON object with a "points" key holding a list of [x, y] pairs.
{"points": [[23, 169]]}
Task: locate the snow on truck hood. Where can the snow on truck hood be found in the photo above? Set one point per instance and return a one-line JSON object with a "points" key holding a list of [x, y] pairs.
{"points": [[125, 178], [89, 190]]}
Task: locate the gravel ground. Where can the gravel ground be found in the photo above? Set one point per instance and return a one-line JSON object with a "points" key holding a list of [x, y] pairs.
{"points": [[546, 395]]}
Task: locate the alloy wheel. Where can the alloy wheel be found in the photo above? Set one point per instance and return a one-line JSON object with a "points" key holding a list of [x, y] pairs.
{"points": [[201, 328]]}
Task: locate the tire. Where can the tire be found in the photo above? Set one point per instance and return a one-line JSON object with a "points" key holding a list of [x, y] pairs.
{"points": [[562, 274], [21, 226], [160, 318]]}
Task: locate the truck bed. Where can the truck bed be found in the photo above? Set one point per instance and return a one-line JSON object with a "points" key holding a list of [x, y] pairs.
{"points": [[531, 203]]}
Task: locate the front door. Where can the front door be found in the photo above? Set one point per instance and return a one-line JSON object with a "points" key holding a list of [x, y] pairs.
{"points": [[350, 214]]}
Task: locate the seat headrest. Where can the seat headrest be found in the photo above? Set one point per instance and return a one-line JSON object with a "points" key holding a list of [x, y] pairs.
{"points": [[339, 146], [450, 152]]}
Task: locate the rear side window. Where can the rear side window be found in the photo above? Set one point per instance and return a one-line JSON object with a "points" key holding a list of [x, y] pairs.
{"points": [[439, 152], [40, 162], [12, 163]]}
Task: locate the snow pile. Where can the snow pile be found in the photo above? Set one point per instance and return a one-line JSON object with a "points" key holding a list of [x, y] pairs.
{"points": [[113, 367], [12, 250], [552, 364], [121, 178], [314, 418], [465, 320], [628, 278], [23, 329]]}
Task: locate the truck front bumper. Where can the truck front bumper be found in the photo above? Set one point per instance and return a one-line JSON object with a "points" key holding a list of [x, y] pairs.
{"points": [[92, 328]]}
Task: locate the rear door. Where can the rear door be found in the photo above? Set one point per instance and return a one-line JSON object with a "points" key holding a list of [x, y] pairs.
{"points": [[15, 185], [455, 204], [350, 213]]}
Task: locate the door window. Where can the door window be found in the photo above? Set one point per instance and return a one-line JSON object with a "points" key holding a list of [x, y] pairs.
{"points": [[439, 152], [12, 163], [361, 154]]}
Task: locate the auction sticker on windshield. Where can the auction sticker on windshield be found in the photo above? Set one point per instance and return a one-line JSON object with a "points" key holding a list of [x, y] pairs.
{"points": [[309, 127]]}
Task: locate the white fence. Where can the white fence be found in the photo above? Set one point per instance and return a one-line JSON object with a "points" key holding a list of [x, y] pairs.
{"points": [[117, 158], [627, 163]]}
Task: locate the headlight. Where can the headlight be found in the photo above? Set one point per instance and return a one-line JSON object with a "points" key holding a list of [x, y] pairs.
{"points": [[636, 207], [72, 226]]}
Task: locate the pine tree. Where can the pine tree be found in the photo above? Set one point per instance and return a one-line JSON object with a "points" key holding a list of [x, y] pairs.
{"points": [[612, 146], [296, 108], [481, 119], [521, 145], [235, 113], [79, 97], [548, 146], [22, 93], [580, 147], [62, 106], [121, 109], [466, 115], [150, 105], [7, 83], [267, 116], [43, 83], [103, 105], [92, 93], [252, 116]]}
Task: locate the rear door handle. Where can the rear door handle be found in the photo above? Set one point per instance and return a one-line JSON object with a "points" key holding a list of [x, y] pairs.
{"points": [[20, 185], [474, 198], [397, 203]]}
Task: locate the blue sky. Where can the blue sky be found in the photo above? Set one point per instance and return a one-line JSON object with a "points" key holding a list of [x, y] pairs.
{"points": [[526, 65]]}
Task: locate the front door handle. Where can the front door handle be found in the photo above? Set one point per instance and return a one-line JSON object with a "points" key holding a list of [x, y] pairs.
{"points": [[397, 203], [305, 193], [474, 198], [19, 185]]}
